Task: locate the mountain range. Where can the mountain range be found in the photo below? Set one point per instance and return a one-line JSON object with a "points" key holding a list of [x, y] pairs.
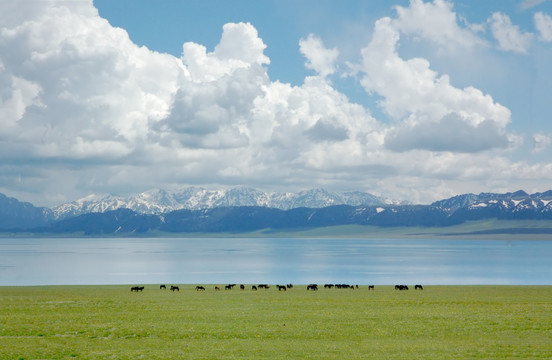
{"points": [[245, 209], [158, 201]]}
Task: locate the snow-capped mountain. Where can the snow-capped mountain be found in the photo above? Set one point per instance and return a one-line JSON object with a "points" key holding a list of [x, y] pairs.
{"points": [[159, 201], [516, 202], [246, 209]]}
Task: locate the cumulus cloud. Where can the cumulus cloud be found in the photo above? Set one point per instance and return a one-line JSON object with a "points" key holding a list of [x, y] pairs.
{"points": [[239, 48], [324, 130], [319, 58], [412, 91], [435, 22], [509, 36], [543, 23], [79, 78], [450, 133]]}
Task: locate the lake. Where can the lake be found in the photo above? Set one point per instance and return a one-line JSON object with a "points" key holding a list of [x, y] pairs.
{"points": [[88, 261]]}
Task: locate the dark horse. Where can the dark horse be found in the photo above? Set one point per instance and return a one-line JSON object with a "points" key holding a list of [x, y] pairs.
{"points": [[162, 287], [313, 287], [136, 288], [418, 287], [370, 287], [200, 288], [174, 288], [281, 287], [401, 287]]}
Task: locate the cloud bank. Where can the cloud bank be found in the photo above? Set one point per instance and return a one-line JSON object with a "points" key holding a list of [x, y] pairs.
{"points": [[85, 110]]}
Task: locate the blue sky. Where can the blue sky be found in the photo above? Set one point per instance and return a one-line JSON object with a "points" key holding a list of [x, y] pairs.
{"points": [[412, 100]]}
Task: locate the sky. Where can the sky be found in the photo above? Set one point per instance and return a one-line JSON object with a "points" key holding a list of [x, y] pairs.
{"points": [[411, 100]]}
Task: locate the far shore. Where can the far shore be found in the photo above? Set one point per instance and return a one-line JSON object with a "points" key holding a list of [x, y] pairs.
{"points": [[476, 230]]}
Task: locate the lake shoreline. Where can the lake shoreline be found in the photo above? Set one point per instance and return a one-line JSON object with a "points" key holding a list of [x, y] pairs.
{"points": [[475, 230]]}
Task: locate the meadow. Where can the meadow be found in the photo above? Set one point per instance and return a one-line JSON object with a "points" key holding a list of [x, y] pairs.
{"points": [[111, 322]]}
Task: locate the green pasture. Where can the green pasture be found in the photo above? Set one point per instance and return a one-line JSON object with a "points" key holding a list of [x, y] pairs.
{"points": [[440, 322]]}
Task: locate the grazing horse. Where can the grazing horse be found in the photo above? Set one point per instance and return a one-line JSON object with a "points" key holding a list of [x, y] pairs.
{"points": [[199, 288], [420, 287], [253, 287], [228, 287], [174, 288], [162, 287], [136, 288], [217, 288], [401, 287], [370, 287], [242, 286], [313, 287], [281, 287]]}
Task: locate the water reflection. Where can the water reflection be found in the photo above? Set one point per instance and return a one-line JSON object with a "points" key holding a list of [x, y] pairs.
{"points": [[130, 261]]}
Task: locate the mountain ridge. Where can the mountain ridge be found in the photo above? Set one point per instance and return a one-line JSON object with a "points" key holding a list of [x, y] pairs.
{"points": [[158, 201], [227, 214]]}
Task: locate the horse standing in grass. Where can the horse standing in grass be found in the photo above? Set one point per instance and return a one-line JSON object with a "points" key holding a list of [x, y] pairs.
{"points": [[174, 288], [418, 287]]}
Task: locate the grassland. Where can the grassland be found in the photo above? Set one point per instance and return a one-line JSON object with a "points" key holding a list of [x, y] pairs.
{"points": [[440, 322]]}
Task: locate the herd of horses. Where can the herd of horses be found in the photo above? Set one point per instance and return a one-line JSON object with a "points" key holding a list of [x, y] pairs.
{"points": [[405, 287], [313, 287]]}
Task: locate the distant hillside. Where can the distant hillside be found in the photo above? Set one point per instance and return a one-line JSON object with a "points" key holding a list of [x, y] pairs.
{"points": [[22, 215]]}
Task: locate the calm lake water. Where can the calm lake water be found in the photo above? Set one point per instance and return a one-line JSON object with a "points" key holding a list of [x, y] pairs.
{"points": [[275, 261]]}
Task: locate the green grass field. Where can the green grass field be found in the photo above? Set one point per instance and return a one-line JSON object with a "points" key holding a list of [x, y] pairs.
{"points": [[440, 322]]}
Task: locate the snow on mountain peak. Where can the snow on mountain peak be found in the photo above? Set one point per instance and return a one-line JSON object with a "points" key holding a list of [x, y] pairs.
{"points": [[158, 201]]}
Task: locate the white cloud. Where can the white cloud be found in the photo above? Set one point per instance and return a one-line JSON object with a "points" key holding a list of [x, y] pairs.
{"points": [[239, 48], [319, 58], [509, 36], [543, 23], [541, 142], [527, 4], [415, 94], [435, 22]]}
